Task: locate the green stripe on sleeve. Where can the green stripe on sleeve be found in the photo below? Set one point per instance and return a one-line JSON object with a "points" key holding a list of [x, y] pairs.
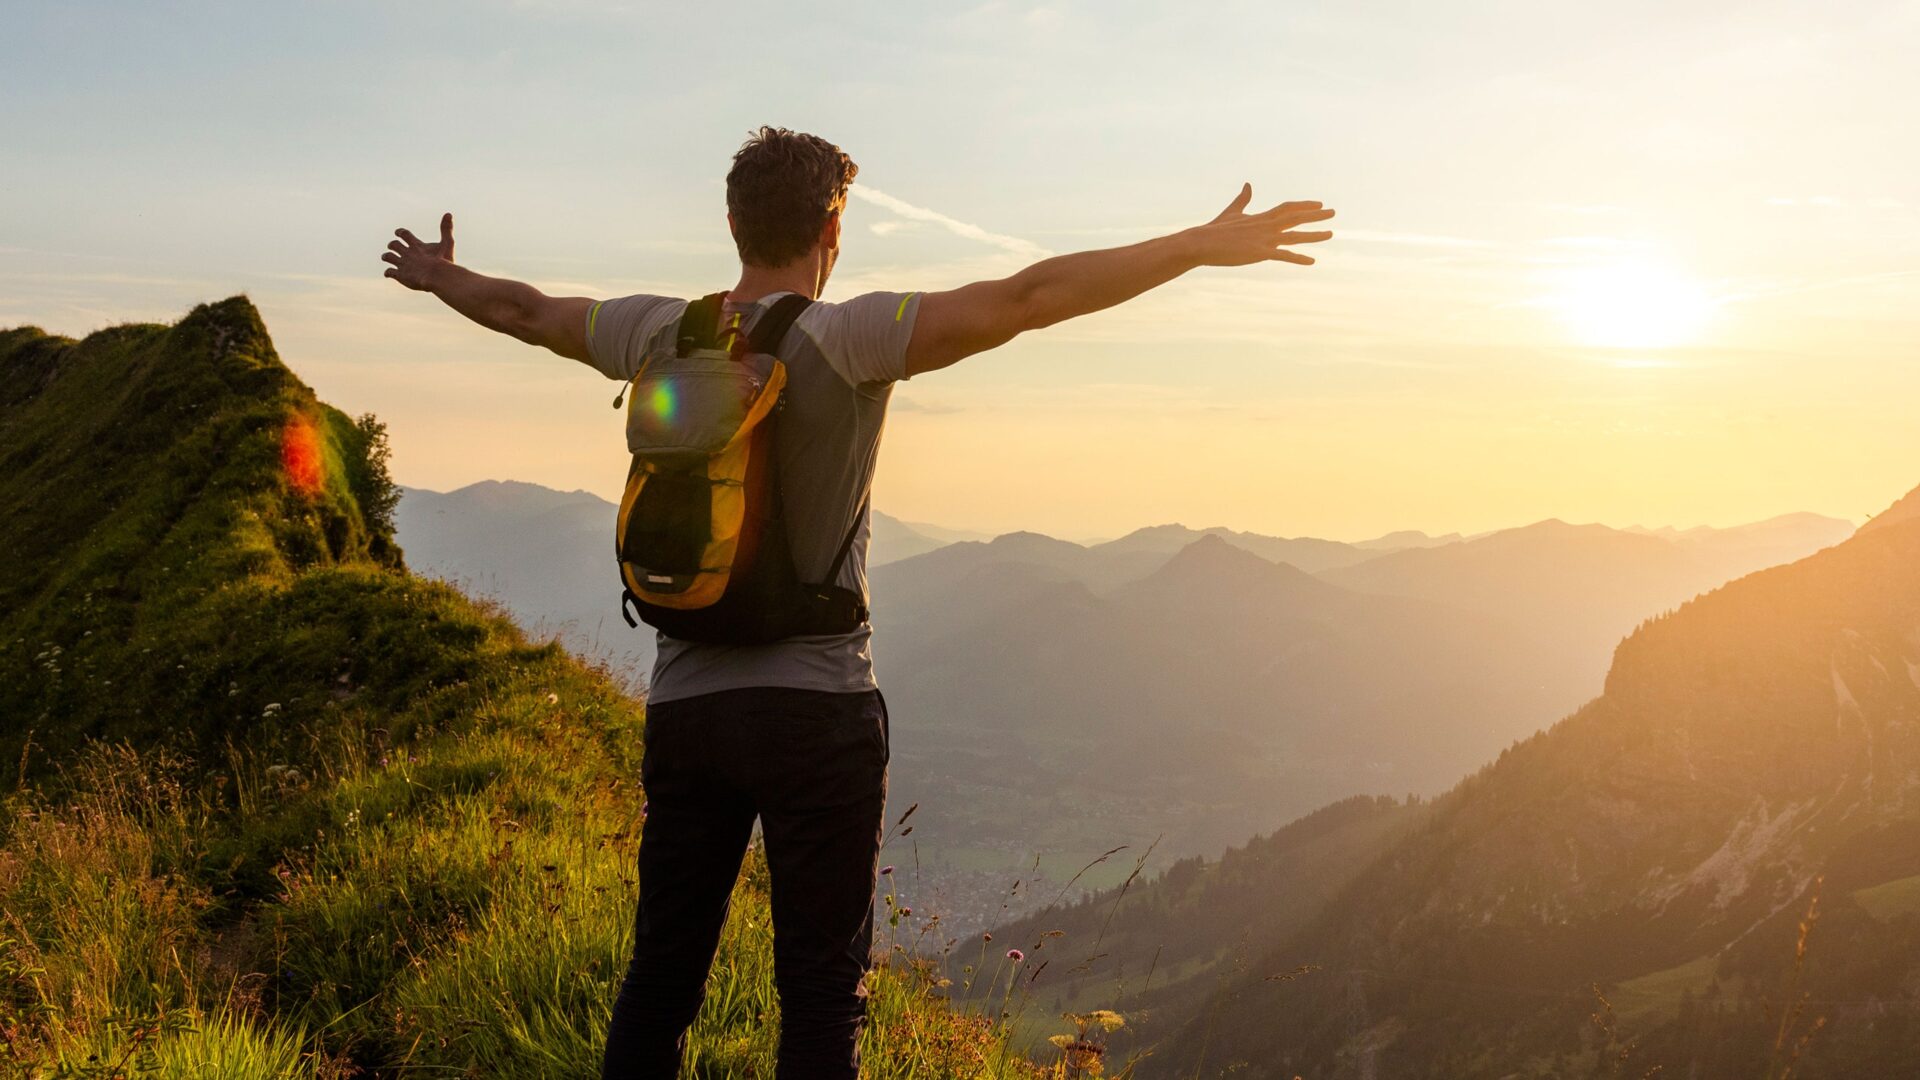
{"points": [[901, 314], [593, 316]]}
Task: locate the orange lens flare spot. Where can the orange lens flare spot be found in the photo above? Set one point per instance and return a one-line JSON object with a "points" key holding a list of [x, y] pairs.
{"points": [[300, 456]]}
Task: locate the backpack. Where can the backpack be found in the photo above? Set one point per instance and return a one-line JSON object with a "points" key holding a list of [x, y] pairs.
{"points": [[701, 536]]}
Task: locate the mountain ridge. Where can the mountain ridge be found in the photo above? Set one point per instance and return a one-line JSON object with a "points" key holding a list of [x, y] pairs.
{"points": [[1757, 737], [1905, 509]]}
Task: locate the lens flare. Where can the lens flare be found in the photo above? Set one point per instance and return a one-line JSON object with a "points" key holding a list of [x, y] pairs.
{"points": [[300, 456], [663, 402]]}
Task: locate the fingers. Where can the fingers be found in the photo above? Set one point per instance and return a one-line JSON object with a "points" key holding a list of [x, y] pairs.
{"points": [[446, 227], [412, 240], [397, 246], [1291, 257], [1307, 214], [1238, 204], [392, 273], [390, 257], [1304, 237]]}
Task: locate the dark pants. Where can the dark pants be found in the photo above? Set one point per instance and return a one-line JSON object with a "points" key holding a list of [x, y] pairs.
{"points": [[813, 767]]}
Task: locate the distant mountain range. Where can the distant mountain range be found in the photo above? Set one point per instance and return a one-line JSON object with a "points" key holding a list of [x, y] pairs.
{"points": [[547, 557], [1226, 681], [1754, 749]]}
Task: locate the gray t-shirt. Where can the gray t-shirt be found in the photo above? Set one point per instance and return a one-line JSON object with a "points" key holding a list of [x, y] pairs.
{"points": [[842, 361]]}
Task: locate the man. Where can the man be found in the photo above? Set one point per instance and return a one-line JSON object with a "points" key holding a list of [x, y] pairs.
{"points": [[795, 732]]}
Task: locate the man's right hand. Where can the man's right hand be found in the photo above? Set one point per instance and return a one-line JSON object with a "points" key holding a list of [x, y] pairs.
{"points": [[1237, 238], [415, 262]]}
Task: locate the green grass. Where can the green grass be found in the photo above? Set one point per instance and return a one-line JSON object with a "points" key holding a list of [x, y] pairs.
{"points": [[1656, 996], [1890, 900], [279, 808]]}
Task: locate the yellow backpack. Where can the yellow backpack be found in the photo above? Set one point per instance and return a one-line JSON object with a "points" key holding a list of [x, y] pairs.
{"points": [[701, 537]]}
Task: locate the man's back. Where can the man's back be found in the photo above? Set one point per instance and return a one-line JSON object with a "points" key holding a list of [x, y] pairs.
{"points": [[842, 360]]}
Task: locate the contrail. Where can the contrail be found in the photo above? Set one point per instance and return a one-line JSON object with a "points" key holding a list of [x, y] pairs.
{"points": [[905, 209]]}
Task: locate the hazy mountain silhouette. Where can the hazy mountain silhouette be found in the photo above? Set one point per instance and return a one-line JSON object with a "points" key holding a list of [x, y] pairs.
{"points": [[547, 557], [1306, 553], [1587, 586], [544, 555], [1407, 538], [1755, 745], [1031, 672], [1227, 693]]}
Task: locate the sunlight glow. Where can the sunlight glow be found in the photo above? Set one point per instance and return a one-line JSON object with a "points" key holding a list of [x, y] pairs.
{"points": [[1632, 305]]}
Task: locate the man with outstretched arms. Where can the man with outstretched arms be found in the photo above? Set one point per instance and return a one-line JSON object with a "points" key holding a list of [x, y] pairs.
{"points": [[794, 732]]}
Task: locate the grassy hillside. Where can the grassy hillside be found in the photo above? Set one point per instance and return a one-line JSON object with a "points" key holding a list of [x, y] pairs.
{"points": [[275, 807]]}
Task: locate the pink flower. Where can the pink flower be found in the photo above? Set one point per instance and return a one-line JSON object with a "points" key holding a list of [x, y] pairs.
{"points": [[906, 911], [887, 869], [1016, 955]]}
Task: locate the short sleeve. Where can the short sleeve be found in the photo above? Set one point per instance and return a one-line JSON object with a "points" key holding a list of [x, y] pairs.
{"points": [[619, 331], [865, 339]]}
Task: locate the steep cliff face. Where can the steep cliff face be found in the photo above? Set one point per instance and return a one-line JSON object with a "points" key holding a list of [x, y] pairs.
{"points": [[1758, 745]]}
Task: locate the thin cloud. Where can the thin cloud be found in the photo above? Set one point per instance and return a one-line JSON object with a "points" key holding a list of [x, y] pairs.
{"points": [[902, 208]]}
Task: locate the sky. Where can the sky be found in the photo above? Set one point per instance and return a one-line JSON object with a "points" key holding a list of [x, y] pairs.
{"points": [[1639, 263]]}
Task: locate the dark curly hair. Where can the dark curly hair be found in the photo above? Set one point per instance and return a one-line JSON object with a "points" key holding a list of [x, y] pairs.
{"points": [[782, 188]]}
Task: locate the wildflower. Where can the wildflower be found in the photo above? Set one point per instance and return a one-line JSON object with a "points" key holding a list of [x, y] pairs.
{"points": [[906, 911], [553, 699], [885, 870], [988, 936], [1016, 955]]}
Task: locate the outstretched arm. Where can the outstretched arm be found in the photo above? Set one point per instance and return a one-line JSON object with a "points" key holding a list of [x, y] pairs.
{"points": [[955, 324], [510, 307]]}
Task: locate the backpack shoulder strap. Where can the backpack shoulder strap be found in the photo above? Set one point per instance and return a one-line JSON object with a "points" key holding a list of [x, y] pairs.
{"points": [[846, 544], [700, 325], [771, 327]]}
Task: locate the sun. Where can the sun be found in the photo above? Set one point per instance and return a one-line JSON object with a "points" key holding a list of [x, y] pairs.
{"points": [[1632, 304]]}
